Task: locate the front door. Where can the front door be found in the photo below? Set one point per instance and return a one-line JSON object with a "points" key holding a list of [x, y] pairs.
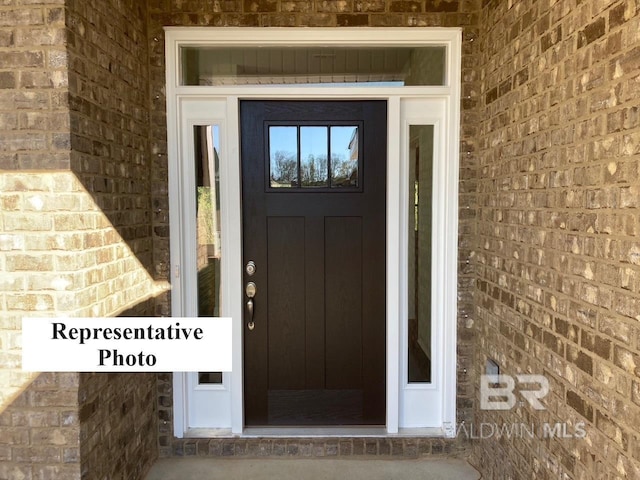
{"points": [[314, 188]]}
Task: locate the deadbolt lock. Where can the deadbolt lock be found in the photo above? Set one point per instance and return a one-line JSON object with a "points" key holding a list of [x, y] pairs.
{"points": [[250, 268]]}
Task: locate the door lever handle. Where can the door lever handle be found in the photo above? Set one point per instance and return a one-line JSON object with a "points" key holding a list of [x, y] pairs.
{"points": [[251, 324], [250, 290]]}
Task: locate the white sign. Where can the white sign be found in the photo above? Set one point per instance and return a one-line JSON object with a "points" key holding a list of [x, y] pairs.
{"points": [[120, 344]]}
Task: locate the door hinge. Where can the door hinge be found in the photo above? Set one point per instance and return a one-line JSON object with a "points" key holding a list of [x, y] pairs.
{"points": [[177, 271]]}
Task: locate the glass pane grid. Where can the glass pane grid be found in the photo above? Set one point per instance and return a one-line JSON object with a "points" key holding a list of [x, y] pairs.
{"points": [[314, 157]]}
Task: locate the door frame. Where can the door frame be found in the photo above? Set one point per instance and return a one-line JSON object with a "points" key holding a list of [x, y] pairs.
{"points": [[199, 105]]}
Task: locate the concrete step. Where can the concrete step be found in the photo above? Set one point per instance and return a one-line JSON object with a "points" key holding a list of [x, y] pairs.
{"points": [[194, 468]]}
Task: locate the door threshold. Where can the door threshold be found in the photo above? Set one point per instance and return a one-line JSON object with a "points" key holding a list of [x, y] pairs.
{"points": [[314, 432]]}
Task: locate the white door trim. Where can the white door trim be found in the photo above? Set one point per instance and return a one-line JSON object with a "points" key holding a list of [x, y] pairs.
{"points": [[445, 275]]}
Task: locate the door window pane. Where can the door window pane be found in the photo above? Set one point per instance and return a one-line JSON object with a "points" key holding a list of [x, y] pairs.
{"points": [[283, 157], [420, 212], [344, 156], [313, 156]]}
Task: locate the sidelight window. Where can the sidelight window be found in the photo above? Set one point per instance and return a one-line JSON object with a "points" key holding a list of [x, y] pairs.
{"points": [[207, 170], [419, 262]]}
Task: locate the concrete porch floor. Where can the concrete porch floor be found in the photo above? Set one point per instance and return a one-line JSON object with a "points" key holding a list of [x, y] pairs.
{"points": [[311, 469]]}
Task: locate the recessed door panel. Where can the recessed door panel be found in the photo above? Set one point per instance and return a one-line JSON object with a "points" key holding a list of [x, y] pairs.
{"points": [[343, 300], [286, 306]]}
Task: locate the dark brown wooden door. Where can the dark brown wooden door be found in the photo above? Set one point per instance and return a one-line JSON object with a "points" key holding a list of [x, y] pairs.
{"points": [[314, 206]]}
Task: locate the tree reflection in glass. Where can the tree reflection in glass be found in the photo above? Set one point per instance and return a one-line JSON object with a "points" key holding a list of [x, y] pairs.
{"points": [[283, 152], [313, 156]]}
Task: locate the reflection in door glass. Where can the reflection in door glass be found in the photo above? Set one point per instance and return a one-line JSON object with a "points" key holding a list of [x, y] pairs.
{"points": [[319, 156], [344, 156], [420, 197], [283, 157], [313, 156], [208, 251]]}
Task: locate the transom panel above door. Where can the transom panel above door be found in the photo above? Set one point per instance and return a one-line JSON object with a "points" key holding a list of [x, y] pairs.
{"points": [[314, 209]]}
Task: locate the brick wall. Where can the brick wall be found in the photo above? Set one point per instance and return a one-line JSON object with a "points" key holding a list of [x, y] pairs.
{"points": [[558, 261], [75, 229], [118, 430], [39, 430], [109, 104], [34, 115], [60, 255], [550, 145], [428, 13], [38, 421]]}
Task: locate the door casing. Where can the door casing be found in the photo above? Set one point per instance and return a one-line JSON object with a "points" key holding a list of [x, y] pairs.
{"points": [[188, 106]]}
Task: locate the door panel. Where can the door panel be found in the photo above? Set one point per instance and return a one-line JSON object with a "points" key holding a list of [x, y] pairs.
{"points": [[314, 224], [286, 307], [343, 300]]}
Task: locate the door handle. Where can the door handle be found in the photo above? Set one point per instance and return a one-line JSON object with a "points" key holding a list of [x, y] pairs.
{"points": [[250, 290], [251, 324]]}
